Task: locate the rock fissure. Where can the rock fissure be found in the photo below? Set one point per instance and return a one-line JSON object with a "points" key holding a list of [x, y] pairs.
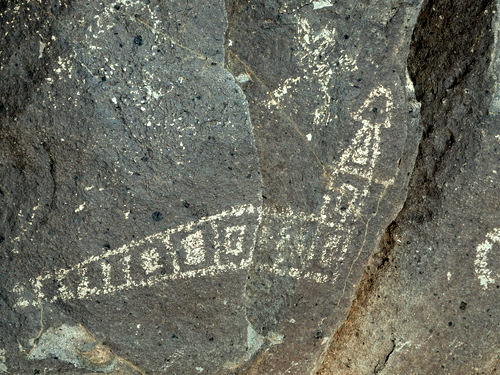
{"points": [[207, 186], [443, 67], [382, 363]]}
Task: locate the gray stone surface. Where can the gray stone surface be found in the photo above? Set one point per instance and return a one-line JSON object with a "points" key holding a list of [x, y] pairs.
{"points": [[197, 187], [434, 307], [130, 184], [336, 128]]}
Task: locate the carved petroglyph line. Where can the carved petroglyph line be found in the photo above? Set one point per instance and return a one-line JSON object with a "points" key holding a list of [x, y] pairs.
{"points": [[214, 245], [314, 46], [358, 160], [178, 253], [314, 56], [367, 139], [481, 267]]}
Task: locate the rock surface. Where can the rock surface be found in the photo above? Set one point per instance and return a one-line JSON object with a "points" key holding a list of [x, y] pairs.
{"points": [[337, 134], [198, 187], [432, 304]]}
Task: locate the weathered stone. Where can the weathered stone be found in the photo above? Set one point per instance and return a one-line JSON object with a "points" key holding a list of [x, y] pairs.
{"points": [[336, 128], [435, 307], [197, 187], [130, 185]]}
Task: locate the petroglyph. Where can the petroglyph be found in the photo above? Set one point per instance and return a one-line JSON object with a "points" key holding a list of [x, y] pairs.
{"points": [[358, 161], [362, 154], [349, 182], [314, 246], [313, 47], [177, 253], [224, 242]]}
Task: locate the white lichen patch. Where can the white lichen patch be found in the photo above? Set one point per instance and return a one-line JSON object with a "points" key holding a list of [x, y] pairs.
{"points": [[3, 367], [242, 78], [481, 265], [80, 207], [73, 344], [321, 4]]}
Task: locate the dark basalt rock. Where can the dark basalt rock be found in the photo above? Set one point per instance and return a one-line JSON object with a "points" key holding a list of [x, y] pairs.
{"points": [[336, 128], [434, 307], [130, 203], [197, 187]]}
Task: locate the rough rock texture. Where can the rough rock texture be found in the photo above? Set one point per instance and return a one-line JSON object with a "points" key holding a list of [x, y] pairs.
{"points": [[197, 187], [130, 187], [336, 128], [429, 303]]}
